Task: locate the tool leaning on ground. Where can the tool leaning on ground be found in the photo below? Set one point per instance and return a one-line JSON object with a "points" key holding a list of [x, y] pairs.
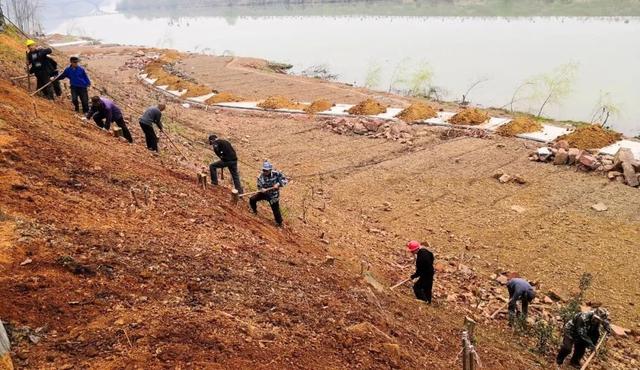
{"points": [[594, 353], [53, 79], [236, 196]]}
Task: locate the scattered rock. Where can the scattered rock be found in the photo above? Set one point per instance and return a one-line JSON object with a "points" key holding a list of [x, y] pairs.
{"points": [[619, 331], [518, 209], [544, 153], [562, 157], [26, 262], [600, 207], [505, 178], [547, 300], [502, 279], [555, 296], [613, 174]]}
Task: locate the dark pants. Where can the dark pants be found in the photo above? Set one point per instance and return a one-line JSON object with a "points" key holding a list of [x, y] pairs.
{"points": [[82, 94], [233, 168], [513, 307], [98, 119], [579, 347], [275, 206], [423, 288], [42, 78], [150, 136]]}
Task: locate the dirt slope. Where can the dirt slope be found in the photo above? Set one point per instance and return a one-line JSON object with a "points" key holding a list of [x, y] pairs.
{"points": [[112, 258], [365, 197]]}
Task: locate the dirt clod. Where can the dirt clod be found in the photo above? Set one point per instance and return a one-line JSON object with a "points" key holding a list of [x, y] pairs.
{"points": [[591, 137], [473, 116], [519, 125], [319, 106], [416, 112], [368, 107], [280, 102], [224, 97]]}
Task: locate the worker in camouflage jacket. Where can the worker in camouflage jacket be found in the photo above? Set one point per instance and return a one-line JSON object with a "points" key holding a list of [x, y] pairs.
{"points": [[269, 184], [582, 332]]}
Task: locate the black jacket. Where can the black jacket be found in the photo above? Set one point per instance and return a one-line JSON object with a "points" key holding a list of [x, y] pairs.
{"points": [[40, 62], [224, 151], [424, 264]]}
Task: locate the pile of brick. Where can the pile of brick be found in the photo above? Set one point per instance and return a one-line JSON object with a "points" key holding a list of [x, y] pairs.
{"points": [[372, 127], [139, 61], [621, 167]]}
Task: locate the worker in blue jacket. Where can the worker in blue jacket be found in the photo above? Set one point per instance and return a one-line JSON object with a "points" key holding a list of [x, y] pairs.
{"points": [[79, 83]]}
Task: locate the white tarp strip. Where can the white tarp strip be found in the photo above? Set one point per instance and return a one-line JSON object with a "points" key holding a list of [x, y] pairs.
{"points": [[547, 135], [203, 98], [631, 144]]}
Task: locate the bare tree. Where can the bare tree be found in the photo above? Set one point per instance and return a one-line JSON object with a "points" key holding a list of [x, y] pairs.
{"points": [[473, 85], [1, 18], [24, 13]]}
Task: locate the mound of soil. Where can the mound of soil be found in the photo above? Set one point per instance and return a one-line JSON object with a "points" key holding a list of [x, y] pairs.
{"points": [[472, 117], [195, 90], [519, 125], [280, 102], [319, 106], [224, 97], [416, 112], [591, 137], [368, 107]]}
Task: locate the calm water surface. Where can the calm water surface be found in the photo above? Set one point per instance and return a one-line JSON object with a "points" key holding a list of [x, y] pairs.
{"points": [[502, 52]]}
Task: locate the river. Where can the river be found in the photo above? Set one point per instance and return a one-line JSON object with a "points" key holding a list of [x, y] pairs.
{"points": [[594, 59]]}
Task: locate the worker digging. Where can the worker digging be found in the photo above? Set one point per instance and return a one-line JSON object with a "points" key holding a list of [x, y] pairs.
{"points": [[424, 271], [228, 159], [44, 68], [519, 290], [104, 111], [149, 117], [269, 183], [582, 332], [79, 84]]}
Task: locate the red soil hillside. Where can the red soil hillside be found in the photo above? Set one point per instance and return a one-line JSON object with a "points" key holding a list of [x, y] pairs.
{"points": [[112, 258]]}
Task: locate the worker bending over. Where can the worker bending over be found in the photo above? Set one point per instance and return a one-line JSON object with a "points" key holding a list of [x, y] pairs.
{"points": [[582, 332], [519, 290], [104, 111], [269, 184], [149, 117], [228, 158], [424, 271]]}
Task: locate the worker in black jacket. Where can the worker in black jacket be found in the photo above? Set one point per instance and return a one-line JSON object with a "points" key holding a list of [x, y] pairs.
{"points": [[43, 67], [424, 271], [228, 158]]}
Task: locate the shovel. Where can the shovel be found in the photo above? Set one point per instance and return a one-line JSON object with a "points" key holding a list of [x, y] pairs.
{"points": [[236, 195]]}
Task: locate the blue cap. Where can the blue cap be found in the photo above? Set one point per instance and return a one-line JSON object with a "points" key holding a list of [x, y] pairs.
{"points": [[267, 166]]}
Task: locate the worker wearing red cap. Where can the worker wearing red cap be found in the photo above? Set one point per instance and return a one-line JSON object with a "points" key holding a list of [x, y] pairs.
{"points": [[424, 271]]}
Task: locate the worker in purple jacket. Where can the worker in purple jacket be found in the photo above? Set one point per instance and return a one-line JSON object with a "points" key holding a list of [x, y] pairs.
{"points": [[104, 111]]}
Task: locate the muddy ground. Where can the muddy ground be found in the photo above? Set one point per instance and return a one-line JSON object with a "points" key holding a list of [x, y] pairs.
{"points": [[123, 262]]}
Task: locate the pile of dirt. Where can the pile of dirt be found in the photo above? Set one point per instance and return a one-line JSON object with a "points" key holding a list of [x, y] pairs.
{"points": [[368, 107], [195, 90], [519, 125], [157, 70], [224, 97], [280, 102], [473, 116], [591, 137], [416, 112], [319, 106]]}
